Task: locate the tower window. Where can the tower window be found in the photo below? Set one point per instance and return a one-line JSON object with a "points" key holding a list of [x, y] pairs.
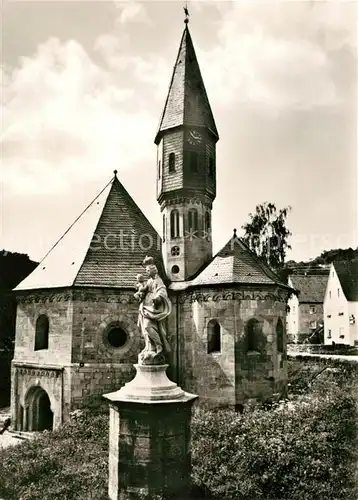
{"points": [[253, 331], [175, 251], [193, 219], [41, 332], [175, 269], [214, 336], [164, 227], [193, 161], [174, 224], [207, 225], [211, 167], [172, 162], [279, 336], [159, 169]]}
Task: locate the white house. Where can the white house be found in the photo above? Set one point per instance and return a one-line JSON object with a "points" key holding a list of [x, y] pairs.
{"points": [[305, 309], [341, 304], [292, 317]]}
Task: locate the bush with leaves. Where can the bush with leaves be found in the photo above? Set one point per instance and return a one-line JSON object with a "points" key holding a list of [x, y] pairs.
{"points": [[301, 449], [70, 463]]}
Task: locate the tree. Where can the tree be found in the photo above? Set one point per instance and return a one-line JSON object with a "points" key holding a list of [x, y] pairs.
{"points": [[266, 234], [14, 267]]}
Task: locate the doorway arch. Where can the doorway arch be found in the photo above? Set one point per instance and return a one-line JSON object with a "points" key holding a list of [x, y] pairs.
{"points": [[38, 406]]}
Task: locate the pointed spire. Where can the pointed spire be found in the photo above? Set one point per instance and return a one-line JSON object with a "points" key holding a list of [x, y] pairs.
{"points": [[187, 102]]}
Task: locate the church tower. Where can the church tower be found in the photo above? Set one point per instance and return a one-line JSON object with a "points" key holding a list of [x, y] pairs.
{"points": [[186, 167]]}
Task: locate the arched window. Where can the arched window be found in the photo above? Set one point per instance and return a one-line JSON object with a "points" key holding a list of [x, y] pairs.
{"points": [[174, 224], [172, 162], [214, 336], [253, 330], [193, 161], [41, 332], [164, 227], [193, 219], [207, 225], [211, 167], [159, 169], [279, 336]]}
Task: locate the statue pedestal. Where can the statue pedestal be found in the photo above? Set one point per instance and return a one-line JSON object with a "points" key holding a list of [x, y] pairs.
{"points": [[149, 443]]}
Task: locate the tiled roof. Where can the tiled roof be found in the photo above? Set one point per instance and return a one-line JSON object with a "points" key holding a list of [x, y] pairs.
{"points": [[311, 287], [234, 263], [187, 102], [104, 247], [347, 273]]}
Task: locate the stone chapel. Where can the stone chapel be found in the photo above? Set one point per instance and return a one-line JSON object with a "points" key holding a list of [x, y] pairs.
{"points": [[76, 326]]}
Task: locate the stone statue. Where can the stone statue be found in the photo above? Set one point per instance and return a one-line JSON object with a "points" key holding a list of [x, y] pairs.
{"points": [[154, 308]]}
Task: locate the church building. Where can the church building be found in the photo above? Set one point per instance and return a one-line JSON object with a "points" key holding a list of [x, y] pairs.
{"points": [[76, 326]]}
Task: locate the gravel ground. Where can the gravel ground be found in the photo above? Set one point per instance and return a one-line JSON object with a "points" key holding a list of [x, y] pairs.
{"points": [[8, 439]]}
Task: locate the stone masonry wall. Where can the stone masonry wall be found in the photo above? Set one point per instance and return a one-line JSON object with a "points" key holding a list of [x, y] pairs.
{"points": [[93, 311], [98, 367], [263, 373], [78, 320], [211, 376], [59, 309], [54, 381], [233, 375]]}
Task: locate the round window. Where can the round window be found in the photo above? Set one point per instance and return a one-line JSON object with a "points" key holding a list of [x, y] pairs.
{"points": [[116, 336], [175, 269], [175, 251]]}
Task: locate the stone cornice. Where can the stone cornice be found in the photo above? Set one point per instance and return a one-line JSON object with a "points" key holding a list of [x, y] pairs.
{"points": [[36, 366], [185, 200], [105, 295], [85, 295], [44, 296], [218, 295], [38, 371]]}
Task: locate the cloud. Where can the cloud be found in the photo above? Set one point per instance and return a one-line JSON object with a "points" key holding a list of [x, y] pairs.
{"points": [[281, 55], [66, 114], [131, 11], [65, 117]]}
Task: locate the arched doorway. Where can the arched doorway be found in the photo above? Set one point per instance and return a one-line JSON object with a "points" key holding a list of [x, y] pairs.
{"points": [[40, 415]]}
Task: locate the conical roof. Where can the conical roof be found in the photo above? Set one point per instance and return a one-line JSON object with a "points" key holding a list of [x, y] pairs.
{"points": [[104, 247], [236, 263], [187, 102]]}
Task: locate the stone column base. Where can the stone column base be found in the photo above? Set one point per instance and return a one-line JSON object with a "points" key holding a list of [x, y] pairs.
{"points": [[149, 442]]}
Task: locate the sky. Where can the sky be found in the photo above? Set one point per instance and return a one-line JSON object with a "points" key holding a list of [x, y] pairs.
{"points": [[84, 84]]}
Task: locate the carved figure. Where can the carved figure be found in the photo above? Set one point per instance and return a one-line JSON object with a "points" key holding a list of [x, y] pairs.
{"points": [[154, 308], [142, 287]]}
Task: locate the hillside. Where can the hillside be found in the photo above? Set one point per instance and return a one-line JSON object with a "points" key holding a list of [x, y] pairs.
{"points": [[324, 259]]}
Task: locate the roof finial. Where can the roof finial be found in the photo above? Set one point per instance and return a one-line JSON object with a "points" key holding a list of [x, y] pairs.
{"points": [[115, 173], [234, 236], [186, 20]]}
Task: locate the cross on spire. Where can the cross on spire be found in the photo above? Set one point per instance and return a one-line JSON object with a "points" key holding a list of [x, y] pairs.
{"points": [[186, 12]]}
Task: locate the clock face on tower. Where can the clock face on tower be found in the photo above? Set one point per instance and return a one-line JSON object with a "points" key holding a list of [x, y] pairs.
{"points": [[194, 137]]}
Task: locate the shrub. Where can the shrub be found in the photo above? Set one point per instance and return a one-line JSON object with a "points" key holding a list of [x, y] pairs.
{"points": [[70, 463], [299, 450]]}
